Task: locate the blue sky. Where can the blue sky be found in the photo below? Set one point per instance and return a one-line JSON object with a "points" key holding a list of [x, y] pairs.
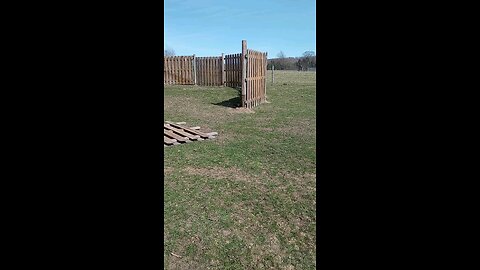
{"points": [[213, 27]]}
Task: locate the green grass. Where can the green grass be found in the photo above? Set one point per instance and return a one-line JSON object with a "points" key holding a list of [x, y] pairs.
{"points": [[247, 199]]}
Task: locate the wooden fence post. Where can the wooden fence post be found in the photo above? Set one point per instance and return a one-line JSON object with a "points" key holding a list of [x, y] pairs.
{"points": [[194, 70], [265, 86], [223, 69], [244, 73], [273, 75]]}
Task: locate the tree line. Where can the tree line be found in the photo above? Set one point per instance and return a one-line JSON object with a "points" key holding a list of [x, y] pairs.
{"points": [[307, 61]]}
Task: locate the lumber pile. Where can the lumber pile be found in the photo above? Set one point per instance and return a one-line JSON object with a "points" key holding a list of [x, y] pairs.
{"points": [[178, 133]]}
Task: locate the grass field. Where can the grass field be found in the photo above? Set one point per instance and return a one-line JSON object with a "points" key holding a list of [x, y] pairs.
{"points": [[247, 199]]}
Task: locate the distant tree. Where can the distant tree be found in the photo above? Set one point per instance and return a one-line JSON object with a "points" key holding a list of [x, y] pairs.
{"points": [[281, 62], [168, 52], [308, 54], [307, 60]]}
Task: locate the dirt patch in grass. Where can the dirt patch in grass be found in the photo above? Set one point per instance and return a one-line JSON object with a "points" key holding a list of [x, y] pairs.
{"points": [[240, 110]]}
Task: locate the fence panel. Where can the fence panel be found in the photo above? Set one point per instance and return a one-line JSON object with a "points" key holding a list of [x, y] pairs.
{"points": [[209, 71], [256, 75], [178, 70], [233, 70]]}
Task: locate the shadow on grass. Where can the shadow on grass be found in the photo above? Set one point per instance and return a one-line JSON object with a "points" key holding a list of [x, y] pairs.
{"points": [[231, 103]]}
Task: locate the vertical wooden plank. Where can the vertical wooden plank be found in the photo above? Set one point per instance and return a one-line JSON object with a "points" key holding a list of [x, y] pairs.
{"points": [[250, 82], [219, 71], [174, 70], [200, 70], [167, 70], [210, 60], [256, 79], [239, 69], [170, 71], [254, 82], [212, 71], [203, 71], [254, 64], [244, 72], [180, 73], [215, 71], [208, 70], [254, 75], [184, 70], [190, 69], [194, 71], [187, 69], [223, 69], [265, 78], [198, 63]]}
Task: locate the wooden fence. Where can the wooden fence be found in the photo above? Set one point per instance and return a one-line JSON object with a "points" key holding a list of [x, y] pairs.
{"points": [[233, 70], [246, 71], [209, 71], [256, 74], [178, 70]]}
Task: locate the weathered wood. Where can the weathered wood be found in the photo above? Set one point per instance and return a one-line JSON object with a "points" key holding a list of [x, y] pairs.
{"points": [[244, 73], [194, 70], [254, 92], [174, 134], [181, 132], [177, 70]]}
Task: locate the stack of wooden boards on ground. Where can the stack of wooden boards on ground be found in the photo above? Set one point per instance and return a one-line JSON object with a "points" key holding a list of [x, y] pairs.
{"points": [[177, 133]]}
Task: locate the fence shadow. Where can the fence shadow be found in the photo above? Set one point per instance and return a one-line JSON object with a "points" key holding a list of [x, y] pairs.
{"points": [[230, 103]]}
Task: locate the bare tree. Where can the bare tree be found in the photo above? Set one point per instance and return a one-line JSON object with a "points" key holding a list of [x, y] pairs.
{"points": [[168, 52], [307, 60], [280, 63]]}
